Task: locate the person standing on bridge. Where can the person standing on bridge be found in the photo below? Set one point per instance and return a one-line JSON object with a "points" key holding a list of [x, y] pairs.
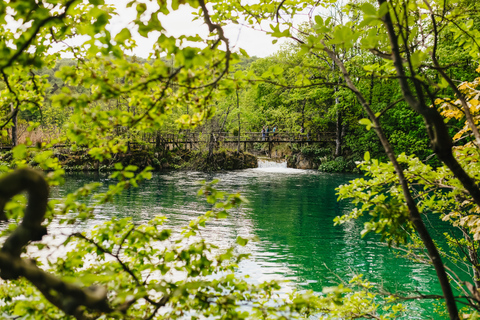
{"points": [[274, 130], [266, 132], [263, 133]]}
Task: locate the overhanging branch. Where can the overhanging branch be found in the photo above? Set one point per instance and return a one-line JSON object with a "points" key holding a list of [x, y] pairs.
{"points": [[74, 299]]}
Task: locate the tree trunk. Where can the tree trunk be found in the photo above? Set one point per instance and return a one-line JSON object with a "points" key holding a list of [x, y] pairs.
{"points": [[238, 109], [238, 144], [339, 127], [15, 126], [339, 132], [414, 214], [211, 142]]}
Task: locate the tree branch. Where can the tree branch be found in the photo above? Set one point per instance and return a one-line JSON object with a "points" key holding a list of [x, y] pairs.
{"points": [[449, 80], [34, 34], [12, 266], [221, 37], [442, 145], [414, 214]]}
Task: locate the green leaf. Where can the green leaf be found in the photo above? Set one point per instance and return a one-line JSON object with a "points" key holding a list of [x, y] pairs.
{"points": [[244, 53], [319, 20], [366, 122], [222, 214], [238, 74], [141, 8], [123, 35], [20, 152], [241, 241], [383, 9], [368, 9], [277, 70], [366, 156]]}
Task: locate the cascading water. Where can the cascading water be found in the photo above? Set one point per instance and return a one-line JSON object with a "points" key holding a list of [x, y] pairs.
{"points": [[269, 165], [264, 163]]}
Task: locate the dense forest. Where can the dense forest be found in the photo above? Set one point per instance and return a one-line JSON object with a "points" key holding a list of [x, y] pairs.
{"points": [[396, 81]]}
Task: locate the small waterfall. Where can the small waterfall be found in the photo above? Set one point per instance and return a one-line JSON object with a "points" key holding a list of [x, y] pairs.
{"points": [[271, 166], [263, 163]]}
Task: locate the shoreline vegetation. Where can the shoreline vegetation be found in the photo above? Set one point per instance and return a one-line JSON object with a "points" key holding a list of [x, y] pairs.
{"points": [[300, 157], [158, 160]]}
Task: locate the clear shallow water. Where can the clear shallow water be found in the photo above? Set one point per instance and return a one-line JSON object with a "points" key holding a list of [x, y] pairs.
{"points": [[291, 212]]}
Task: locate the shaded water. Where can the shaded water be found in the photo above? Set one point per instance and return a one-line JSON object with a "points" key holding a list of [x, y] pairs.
{"points": [[291, 212]]}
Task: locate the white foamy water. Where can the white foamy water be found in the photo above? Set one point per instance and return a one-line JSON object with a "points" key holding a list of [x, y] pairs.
{"points": [[274, 166], [262, 163]]}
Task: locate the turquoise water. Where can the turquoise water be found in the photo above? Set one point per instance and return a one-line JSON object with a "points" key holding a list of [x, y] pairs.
{"points": [[291, 213]]}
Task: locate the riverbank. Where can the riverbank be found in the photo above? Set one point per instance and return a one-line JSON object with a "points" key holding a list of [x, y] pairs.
{"points": [[316, 157], [296, 156], [159, 160]]}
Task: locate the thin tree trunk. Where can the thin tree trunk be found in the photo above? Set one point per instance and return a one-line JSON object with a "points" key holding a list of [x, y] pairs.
{"points": [[211, 142], [338, 126], [238, 144], [239, 123], [303, 113], [339, 132], [225, 119], [15, 126]]}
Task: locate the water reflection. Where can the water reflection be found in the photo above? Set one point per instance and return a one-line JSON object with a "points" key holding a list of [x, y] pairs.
{"points": [[290, 211]]}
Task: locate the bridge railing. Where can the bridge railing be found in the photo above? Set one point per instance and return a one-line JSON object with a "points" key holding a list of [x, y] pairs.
{"points": [[161, 138], [196, 137], [274, 136]]}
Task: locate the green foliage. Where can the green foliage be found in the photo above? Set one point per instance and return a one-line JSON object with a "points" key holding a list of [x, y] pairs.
{"points": [[339, 164], [103, 99], [383, 202]]}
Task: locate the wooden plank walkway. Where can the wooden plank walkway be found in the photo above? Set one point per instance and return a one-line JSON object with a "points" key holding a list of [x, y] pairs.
{"points": [[191, 138]]}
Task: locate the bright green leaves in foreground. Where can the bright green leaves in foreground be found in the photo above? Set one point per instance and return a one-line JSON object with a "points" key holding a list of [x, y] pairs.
{"points": [[381, 200], [105, 98], [380, 196]]}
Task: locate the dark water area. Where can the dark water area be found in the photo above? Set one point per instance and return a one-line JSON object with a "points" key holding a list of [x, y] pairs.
{"points": [[291, 213]]}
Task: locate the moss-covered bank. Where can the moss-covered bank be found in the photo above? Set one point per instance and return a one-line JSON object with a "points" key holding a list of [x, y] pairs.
{"points": [[162, 160], [157, 159]]}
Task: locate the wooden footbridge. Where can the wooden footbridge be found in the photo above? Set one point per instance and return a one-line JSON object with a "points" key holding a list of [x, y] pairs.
{"points": [[247, 140]]}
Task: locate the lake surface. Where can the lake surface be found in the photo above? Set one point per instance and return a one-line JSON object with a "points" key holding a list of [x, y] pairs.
{"points": [[291, 212]]}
